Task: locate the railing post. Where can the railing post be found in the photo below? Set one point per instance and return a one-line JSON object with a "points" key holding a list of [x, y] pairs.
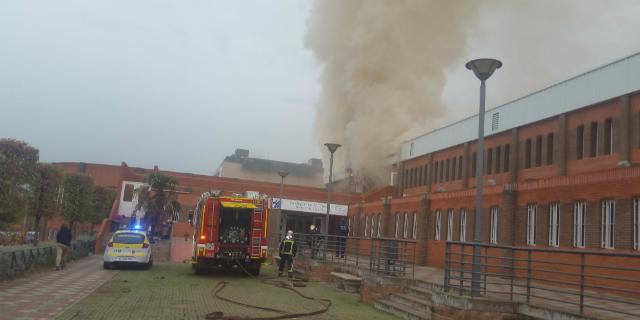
{"points": [[484, 270], [528, 275], [461, 268], [447, 265], [512, 274], [582, 263], [413, 264]]}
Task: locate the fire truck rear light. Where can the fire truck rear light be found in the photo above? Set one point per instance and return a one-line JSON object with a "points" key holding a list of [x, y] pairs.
{"points": [[203, 237]]}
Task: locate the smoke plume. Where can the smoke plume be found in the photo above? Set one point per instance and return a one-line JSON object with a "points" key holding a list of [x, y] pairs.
{"points": [[384, 72], [386, 63]]}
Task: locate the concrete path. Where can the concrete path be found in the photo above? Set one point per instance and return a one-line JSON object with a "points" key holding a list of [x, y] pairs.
{"points": [[43, 295]]}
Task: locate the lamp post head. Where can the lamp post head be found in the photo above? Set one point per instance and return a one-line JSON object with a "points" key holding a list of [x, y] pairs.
{"points": [[483, 68], [332, 147], [283, 173]]}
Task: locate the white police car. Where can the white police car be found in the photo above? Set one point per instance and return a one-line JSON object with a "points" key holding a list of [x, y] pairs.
{"points": [[128, 247]]}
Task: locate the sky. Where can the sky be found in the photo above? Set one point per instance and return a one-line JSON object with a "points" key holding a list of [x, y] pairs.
{"points": [[176, 84], [182, 84]]}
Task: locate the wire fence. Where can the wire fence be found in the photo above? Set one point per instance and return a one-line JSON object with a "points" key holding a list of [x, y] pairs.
{"points": [[17, 260], [592, 283], [383, 256]]}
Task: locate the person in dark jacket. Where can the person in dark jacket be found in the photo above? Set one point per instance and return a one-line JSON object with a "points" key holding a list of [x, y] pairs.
{"points": [[288, 250], [314, 240], [63, 245]]}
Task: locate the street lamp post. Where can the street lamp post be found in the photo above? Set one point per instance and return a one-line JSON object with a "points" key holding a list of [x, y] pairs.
{"points": [[283, 174], [483, 69], [332, 148]]}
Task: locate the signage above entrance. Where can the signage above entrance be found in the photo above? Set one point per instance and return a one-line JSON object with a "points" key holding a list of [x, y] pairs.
{"points": [[309, 206]]}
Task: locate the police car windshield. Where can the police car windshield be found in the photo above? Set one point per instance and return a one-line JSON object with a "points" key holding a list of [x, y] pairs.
{"points": [[128, 238]]}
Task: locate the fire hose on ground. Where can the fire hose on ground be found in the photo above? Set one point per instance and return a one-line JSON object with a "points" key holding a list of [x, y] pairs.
{"points": [[219, 315]]}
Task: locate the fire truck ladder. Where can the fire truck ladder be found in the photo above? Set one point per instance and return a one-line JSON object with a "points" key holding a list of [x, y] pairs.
{"points": [[256, 234]]}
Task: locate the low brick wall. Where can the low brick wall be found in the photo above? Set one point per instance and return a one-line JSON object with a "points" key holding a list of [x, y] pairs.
{"points": [[18, 260]]}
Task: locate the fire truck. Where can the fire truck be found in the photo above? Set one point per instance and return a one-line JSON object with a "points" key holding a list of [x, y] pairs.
{"points": [[230, 231]]}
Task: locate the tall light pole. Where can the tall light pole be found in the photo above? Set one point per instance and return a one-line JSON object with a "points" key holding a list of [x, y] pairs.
{"points": [[283, 174], [483, 69], [332, 148]]}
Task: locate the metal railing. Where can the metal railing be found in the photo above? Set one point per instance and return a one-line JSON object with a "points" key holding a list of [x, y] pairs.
{"points": [[383, 256], [593, 283], [15, 261]]}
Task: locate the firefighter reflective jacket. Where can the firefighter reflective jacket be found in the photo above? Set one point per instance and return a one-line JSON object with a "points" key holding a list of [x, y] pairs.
{"points": [[288, 247]]}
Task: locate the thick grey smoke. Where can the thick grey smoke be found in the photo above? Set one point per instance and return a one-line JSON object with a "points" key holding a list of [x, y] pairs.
{"points": [[384, 72], [392, 69]]}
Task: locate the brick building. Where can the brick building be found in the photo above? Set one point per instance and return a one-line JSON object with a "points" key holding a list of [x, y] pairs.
{"points": [[562, 169]]}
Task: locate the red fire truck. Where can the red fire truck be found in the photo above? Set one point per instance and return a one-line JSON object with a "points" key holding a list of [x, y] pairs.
{"points": [[230, 231]]}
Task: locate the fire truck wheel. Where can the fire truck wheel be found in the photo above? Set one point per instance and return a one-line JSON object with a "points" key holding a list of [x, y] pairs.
{"points": [[253, 269]]}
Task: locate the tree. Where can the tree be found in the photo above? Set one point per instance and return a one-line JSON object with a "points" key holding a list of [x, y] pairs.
{"points": [[157, 198], [18, 174], [48, 186], [77, 204], [102, 202]]}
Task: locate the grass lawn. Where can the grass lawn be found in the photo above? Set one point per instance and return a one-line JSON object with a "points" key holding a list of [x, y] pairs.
{"points": [[172, 291]]}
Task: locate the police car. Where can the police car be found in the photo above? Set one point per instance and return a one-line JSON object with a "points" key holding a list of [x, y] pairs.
{"points": [[128, 247]]}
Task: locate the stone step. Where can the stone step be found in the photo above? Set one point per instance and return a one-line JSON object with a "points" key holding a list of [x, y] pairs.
{"points": [[413, 301], [428, 285], [402, 310], [418, 292]]}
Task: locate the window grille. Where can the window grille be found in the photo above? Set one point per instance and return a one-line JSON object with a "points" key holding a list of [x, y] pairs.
{"points": [[366, 226], [463, 225], [494, 225], [437, 225], [495, 121], [554, 224], [608, 224], [395, 235], [373, 224], [415, 226], [379, 222], [405, 229], [636, 223], [579, 221], [532, 210], [449, 224]]}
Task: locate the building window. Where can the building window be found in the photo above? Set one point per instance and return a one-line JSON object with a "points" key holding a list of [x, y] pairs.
{"points": [[532, 209], [459, 167], [424, 176], [608, 136], [538, 151], [379, 222], [449, 224], [414, 234], [490, 161], [550, 149], [527, 156], [579, 222], [453, 168], [366, 226], [463, 225], [405, 229], [608, 224], [420, 182], [395, 235], [507, 148], [128, 193], [579, 142], [437, 225], [594, 140], [446, 170], [349, 226], [474, 163], [435, 173], [636, 223], [554, 224], [373, 224], [498, 158], [494, 225]]}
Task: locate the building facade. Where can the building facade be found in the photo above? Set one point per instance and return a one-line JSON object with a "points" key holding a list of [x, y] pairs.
{"points": [[562, 170]]}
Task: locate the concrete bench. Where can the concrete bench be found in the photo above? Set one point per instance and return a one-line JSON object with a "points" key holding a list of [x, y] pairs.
{"points": [[347, 282]]}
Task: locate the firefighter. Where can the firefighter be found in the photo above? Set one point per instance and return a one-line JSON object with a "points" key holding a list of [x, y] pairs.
{"points": [[288, 250], [314, 241]]}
